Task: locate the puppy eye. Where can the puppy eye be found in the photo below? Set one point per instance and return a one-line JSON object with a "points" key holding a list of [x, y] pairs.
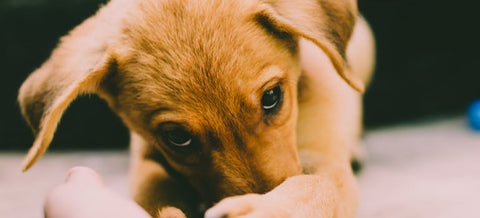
{"points": [[271, 99], [178, 138]]}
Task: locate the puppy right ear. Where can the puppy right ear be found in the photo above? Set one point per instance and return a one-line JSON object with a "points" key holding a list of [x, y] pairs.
{"points": [[75, 67], [329, 24]]}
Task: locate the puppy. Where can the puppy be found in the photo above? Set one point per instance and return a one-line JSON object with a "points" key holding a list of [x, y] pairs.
{"points": [[251, 106]]}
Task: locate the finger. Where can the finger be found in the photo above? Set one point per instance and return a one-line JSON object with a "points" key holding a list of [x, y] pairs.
{"points": [[84, 176]]}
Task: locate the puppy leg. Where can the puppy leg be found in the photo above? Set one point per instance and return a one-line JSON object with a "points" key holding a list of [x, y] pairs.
{"points": [[155, 191], [329, 193], [152, 187], [361, 57]]}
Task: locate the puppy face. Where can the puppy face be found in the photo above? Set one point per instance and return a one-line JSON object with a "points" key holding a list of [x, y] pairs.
{"points": [[217, 99], [212, 85]]}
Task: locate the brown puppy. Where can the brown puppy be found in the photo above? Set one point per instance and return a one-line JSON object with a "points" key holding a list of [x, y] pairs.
{"points": [[223, 98]]}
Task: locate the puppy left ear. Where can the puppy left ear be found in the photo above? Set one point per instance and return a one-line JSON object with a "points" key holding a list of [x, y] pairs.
{"points": [[48, 91], [327, 23], [77, 66]]}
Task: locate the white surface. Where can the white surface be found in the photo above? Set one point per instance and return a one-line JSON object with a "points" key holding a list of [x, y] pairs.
{"points": [[429, 170], [22, 194], [425, 170]]}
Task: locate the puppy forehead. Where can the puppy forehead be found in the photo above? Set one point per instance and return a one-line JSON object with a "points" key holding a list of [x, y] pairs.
{"points": [[201, 37], [190, 42]]}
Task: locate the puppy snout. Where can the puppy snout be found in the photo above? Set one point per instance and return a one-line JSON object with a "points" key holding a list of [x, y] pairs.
{"points": [[245, 179]]}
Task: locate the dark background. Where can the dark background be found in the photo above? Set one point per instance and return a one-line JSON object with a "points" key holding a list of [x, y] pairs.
{"points": [[427, 66]]}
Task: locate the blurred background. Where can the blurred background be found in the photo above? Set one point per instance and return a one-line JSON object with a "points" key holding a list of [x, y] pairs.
{"points": [[427, 66]]}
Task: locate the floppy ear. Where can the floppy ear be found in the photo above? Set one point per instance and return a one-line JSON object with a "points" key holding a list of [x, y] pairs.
{"points": [[327, 23], [75, 67]]}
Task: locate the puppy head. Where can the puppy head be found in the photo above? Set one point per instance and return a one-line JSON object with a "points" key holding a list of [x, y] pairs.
{"points": [[212, 85]]}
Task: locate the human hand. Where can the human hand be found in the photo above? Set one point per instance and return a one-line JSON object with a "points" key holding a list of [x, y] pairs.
{"points": [[84, 195]]}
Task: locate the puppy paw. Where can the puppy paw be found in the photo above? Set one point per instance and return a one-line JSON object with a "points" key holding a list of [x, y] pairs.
{"points": [[249, 205], [170, 212]]}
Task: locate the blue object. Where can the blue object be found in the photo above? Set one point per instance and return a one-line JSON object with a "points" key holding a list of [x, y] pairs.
{"points": [[473, 113]]}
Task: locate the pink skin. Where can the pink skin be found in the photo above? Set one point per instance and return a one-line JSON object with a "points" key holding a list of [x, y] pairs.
{"points": [[84, 195]]}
